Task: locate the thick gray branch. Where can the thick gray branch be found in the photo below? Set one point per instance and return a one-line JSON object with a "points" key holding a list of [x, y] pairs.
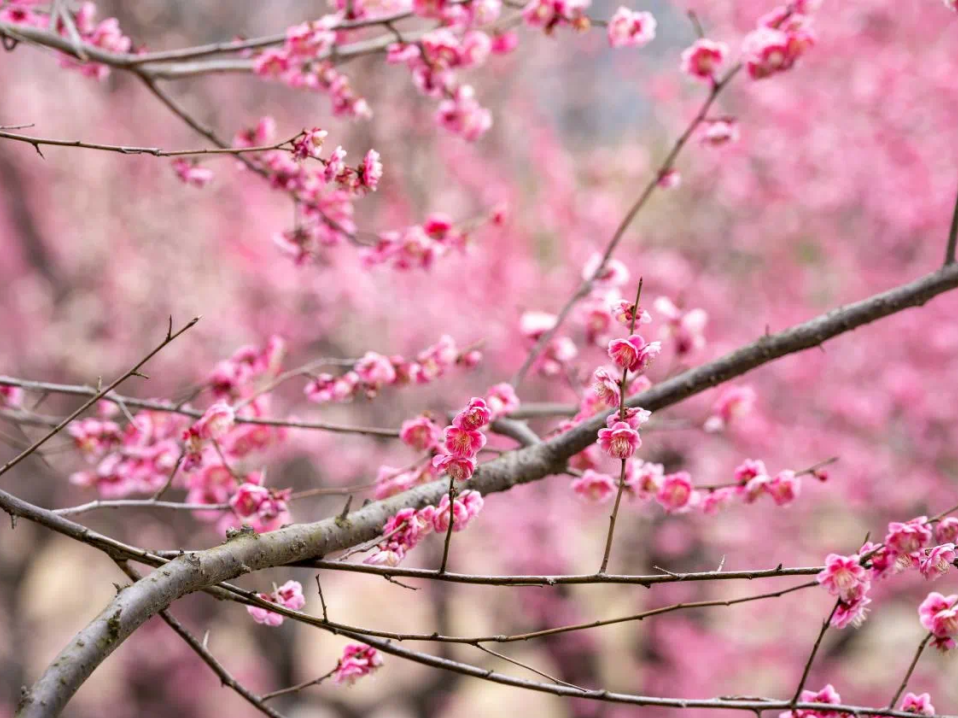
{"points": [[197, 570]]}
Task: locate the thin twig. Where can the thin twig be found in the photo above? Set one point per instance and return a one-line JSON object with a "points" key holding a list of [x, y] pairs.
{"points": [[911, 669], [135, 371], [811, 657], [515, 662], [445, 547], [299, 686], [952, 237]]}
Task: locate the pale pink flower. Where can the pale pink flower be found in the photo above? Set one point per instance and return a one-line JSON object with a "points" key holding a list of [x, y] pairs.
{"points": [[716, 500], [749, 469], [732, 403], [620, 441], [946, 531], [826, 695], [669, 179], [420, 433], [372, 170], [644, 478], [628, 28], [606, 388], [375, 370], [595, 487], [357, 662], [309, 144], [920, 704], [843, 576], [502, 399], [720, 132], [634, 353], [676, 494], [685, 328], [703, 59], [784, 488], [534, 324], [465, 508], [191, 173], [634, 417], [215, 422], [938, 561], [906, 538], [289, 595]]}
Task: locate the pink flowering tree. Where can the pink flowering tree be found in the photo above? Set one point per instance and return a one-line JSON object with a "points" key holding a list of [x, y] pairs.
{"points": [[430, 355]]}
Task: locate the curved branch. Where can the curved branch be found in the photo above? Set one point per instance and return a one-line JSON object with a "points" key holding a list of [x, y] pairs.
{"points": [[198, 570]]}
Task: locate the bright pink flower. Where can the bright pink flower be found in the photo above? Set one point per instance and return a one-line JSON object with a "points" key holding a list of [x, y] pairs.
{"points": [[644, 478], [703, 59], [634, 417], [594, 487], [357, 662], [670, 179], [191, 173], [215, 422], [420, 433], [620, 441], [502, 400], [475, 416], [375, 370], [624, 311], [938, 561], [457, 467], [272, 62], [826, 695], [784, 488], [504, 42], [257, 136], [462, 443], [843, 576], [766, 52], [937, 614], [882, 561], [749, 469], [920, 704], [309, 144], [628, 28], [716, 500], [676, 494], [906, 538], [851, 612], [634, 353]]}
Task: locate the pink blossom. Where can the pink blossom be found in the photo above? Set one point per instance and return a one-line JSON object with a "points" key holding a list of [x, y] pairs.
{"points": [[609, 274], [289, 595], [372, 170], [606, 388], [938, 561], [272, 62], [357, 662], [466, 507], [676, 494], [843, 576], [11, 396], [309, 144], [714, 501], [375, 370], [191, 173], [685, 328], [420, 433], [215, 422], [920, 704], [624, 311], [851, 612], [504, 42], [703, 59], [620, 441], [628, 28], [634, 353], [634, 417], [669, 179], [534, 324], [826, 695], [475, 416], [784, 488], [502, 400], [937, 614], [644, 478], [720, 132], [462, 443], [595, 487], [457, 467], [906, 538], [462, 115], [946, 531], [732, 403], [261, 134], [749, 469]]}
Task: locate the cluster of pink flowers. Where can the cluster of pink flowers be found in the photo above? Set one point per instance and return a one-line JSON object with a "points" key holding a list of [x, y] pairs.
{"points": [[357, 662], [644, 480], [733, 402], [11, 397], [417, 246], [703, 59], [909, 545], [827, 695], [754, 482], [846, 578], [433, 62], [550, 14], [192, 173], [212, 426], [781, 38], [289, 595], [630, 28], [403, 531], [939, 615], [303, 62], [462, 440], [262, 508], [236, 378], [374, 371], [919, 704]]}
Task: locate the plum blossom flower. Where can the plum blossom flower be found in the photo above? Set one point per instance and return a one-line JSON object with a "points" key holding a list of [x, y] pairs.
{"points": [[938, 561], [191, 173], [906, 538], [851, 612], [784, 488], [309, 144], [606, 388], [628, 28], [462, 443], [475, 416], [634, 417], [624, 311], [458, 467], [720, 132], [749, 469], [420, 433], [534, 324], [466, 507], [843, 576], [357, 662], [946, 531], [732, 403], [593, 486], [676, 494], [620, 441], [920, 704], [644, 478], [11, 397], [703, 59], [685, 328], [289, 595], [502, 400], [937, 613], [634, 353], [371, 171], [826, 695]]}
